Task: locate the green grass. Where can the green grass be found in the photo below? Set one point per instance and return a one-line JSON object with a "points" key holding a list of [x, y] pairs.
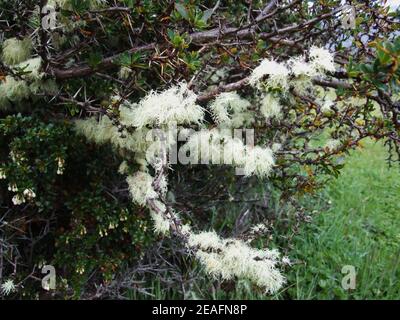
{"points": [[361, 228]]}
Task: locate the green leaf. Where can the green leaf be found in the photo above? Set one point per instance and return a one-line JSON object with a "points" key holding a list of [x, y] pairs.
{"points": [[182, 10], [171, 34], [124, 59], [94, 59]]}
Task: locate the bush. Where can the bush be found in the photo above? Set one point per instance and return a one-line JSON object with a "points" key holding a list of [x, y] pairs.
{"points": [[73, 221], [84, 84]]}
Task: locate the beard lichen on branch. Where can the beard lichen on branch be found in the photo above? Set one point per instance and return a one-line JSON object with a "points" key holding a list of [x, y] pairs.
{"points": [[221, 258], [26, 79]]}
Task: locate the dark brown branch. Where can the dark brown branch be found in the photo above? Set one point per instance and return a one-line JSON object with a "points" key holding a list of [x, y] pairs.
{"points": [[245, 81], [197, 37], [223, 88], [85, 70]]}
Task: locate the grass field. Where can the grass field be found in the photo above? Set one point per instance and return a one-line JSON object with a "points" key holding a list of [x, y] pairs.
{"points": [[361, 228]]}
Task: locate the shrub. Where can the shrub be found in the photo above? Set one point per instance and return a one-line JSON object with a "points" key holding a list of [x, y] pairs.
{"points": [[87, 185]]}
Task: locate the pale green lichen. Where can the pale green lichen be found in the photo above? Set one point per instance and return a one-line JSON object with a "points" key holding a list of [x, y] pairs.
{"points": [[230, 258], [140, 187], [16, 51], [230, 110], [48, 86], [176, 105], [4, 102], [67, 4], [218, 147], [270, 107], [277, 73], [31, 69], [14, 90]]}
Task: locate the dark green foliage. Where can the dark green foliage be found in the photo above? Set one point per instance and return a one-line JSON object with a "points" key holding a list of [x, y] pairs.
{"points": [[63, 224]]}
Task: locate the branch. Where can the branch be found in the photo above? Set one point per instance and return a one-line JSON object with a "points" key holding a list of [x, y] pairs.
{"points": [[197, 37], [85, 70], [336, 84], [223, 88], [245, 81]]}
